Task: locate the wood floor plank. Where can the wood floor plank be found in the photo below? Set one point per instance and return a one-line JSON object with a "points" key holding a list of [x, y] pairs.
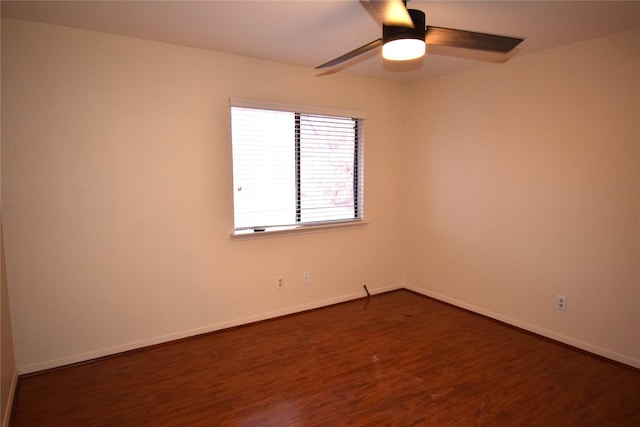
{"points": [[397, 359]]}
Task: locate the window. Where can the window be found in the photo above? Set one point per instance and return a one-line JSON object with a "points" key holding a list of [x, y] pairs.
{"points": [[295, 166]]}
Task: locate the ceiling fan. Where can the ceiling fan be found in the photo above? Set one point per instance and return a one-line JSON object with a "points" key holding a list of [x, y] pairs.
{"points": [[405, 36]]}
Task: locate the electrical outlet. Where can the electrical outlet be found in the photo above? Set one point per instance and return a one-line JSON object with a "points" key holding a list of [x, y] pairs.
{"points": [[279, 282], [561, 302], [306, 279]]}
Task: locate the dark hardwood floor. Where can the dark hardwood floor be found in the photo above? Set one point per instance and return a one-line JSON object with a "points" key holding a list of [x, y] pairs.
{"points": [[396, 359]]}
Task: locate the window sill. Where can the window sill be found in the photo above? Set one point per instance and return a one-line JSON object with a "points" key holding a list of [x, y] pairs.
{"points": [[296, 229]]}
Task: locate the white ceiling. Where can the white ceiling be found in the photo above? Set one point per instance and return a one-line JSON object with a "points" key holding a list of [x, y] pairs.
{"points": [[311, 32]]}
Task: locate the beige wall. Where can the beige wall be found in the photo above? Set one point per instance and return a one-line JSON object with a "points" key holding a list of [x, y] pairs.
{"points": [[8, 375], [523, 182], [118, 193]]}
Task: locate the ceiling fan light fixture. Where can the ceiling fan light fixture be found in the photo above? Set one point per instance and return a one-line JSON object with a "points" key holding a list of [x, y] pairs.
{"points": [[403, 49], [403, 40], [405, 43]]}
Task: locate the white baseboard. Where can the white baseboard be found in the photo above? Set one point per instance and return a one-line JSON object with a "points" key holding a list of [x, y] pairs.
{"points": [[531, 328], [6, 417], [27, 369], [36, 367]]}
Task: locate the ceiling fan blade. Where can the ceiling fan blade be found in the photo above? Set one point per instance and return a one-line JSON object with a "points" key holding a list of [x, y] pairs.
{"points": [[359, 51], [470, 40], [392, 12]]}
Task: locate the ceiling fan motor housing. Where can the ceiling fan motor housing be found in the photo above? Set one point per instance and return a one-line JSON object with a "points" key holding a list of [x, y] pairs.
{"points": [[394, 32]]}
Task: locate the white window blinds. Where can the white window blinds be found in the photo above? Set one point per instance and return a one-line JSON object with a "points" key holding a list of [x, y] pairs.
{"points": [[295, 168]]}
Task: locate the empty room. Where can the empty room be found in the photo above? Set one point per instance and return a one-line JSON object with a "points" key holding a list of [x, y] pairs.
{"points": [[260, 213]]}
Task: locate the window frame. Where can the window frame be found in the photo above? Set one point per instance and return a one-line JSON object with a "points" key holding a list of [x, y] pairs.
{"points": [[358, 179]]}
